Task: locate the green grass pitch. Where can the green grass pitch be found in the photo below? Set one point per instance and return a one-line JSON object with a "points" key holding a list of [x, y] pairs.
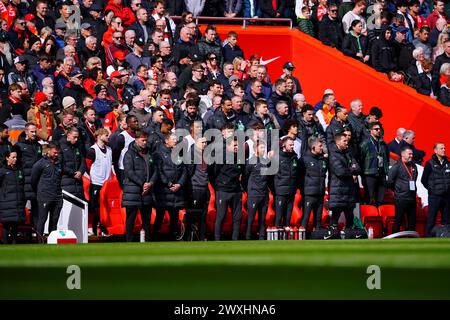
{"points": [[410, 269]]}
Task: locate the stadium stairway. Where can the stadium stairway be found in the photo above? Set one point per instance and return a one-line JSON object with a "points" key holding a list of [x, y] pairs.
{"points": [[319, 67]]}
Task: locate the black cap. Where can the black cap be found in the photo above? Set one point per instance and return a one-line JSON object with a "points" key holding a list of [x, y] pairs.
{"points": [[194, 57], [95, 7], [288, 65], [139, 41]]}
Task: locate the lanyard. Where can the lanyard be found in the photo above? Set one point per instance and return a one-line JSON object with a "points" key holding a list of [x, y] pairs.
{"points": [[376, 145], [408, 171]]}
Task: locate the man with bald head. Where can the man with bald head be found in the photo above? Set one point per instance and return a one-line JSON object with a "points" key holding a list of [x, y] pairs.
{"points": [[143, 26], [394, 145]]}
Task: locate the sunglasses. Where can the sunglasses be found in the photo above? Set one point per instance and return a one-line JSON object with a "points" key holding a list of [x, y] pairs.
{"points": [[22, 23], [138, 4], [376, 129], [200, 70], [119, 23], [333, 11], [213, 58], [118, 38]]}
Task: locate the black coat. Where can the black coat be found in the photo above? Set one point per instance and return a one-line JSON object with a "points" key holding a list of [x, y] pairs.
{"points": [[12, 195], [46, 180], [257, 184], [343, 166], [383, 54], [350, 46], [399, 179], [155, 141], [169, 173], [267, 8], [359, 129], [139, 29], [73, 160], [336, 127], [436, 177], [29, 154], [185, 121], [313, 171], [440, 60], [227, 176], [4, 147], [286, 179], [137, 171], [444, 96], [423, 84], [307, 130], [330, 32], [219, 119], [418, 155]]}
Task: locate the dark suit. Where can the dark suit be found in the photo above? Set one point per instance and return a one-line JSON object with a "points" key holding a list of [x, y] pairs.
{"points": [[267, 8], [394, 147], [423, 84]]}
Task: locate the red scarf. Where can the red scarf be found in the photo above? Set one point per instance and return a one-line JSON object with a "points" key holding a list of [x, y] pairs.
{"points": [[39, 123], [168, 112]]}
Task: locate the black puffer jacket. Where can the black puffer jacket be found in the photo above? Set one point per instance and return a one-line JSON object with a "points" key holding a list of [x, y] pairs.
{"points": [[307, 130], [313, 171], [138, 170], [384, 57], [169, 173], [330, 32], [343, 166], [185, 121], [336, 127], [399, 180], [436, 177], [219, 119], [227, 177], [359, 128], [29, 153], [257, 184], [12, 195], [155, 141], [73, 160], [286, 179], [46, 179]]}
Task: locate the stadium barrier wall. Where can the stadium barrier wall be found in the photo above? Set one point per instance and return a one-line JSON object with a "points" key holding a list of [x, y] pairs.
{"points": [[319, 67]]}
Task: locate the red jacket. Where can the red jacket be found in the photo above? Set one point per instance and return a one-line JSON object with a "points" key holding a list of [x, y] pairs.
{"points": [[433, 17], [121, 11]]}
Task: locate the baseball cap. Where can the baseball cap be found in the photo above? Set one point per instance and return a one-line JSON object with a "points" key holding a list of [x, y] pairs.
{"points": [[194, 57], [30, 17], [119, 55], [60, 25], [99, 88], [328, 91], [86, 25], [95, 7], [232, 78], [20, 59], [115, 74], [139, 41], [401, 29], [68, 101], [288, 65]]}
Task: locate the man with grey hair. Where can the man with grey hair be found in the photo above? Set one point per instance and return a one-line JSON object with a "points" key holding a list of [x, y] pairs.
{"points": [[139, 112], [130, 36], [409, 138], [184, 48], [358, 121]]}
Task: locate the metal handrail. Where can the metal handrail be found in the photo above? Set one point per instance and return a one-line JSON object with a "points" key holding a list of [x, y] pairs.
{"points": [[244, 20]]}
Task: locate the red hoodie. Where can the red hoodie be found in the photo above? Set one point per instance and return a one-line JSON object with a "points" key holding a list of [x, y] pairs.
{"points": [[121, 11]]}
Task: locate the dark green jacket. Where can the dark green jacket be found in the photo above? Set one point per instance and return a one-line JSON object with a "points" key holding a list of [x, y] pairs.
{"points": [[306, 26], [370, 150]]}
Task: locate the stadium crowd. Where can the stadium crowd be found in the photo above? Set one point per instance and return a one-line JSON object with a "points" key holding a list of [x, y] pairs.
{"points": [[105, 99]]}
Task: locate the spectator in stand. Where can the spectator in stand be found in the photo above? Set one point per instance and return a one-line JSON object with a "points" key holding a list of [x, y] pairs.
{"points": [[355, 14], [327, 111], [419, 18], [394, 145], [423, 82], [441, 27], [43, 18], [409, 138], [444, 93], [272, 9], [403, 49], [304, 22], [402, 179], [142, 26], [439, 48], [232, 8], [330, 28], [231, 49], [12, 196], [102, 105], [115, 25], [355, 43], [44, 119], [111, 122], [251, 9], [436, 14], [422, 42], [440, 60], [183, 48], [99, 165], [383, 52], [120, 10]]}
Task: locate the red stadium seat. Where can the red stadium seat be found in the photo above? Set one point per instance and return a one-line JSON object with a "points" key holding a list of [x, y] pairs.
{"points": [[387, 213], [421, 220], [370, 217], [388, 197]]}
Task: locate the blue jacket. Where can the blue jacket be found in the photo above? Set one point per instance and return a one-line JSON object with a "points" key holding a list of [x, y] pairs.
{"points": [[247, 7], [102, 107]]}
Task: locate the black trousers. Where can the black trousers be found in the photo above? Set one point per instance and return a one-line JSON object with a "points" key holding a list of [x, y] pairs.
{"points": [[283, 210], [402, 209], [374, 187], [225, 200], [120, 175], [94, 205], [173, 215], [336, 214], [258, 204], [196, 212], [10, 229], [45, 208], [315, 204], [146, 212], [437, 204]]}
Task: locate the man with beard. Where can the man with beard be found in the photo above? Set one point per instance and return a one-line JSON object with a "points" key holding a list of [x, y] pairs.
{"points": [[46, 176], [67, 122], [74, 165], [308, 127], [224, 114], [30, 152], [189, 115], [280, 95], [139, 178], [88, 128]]}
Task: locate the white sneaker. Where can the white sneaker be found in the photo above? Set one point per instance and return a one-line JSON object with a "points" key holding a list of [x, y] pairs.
{"points": [[90, 232]]}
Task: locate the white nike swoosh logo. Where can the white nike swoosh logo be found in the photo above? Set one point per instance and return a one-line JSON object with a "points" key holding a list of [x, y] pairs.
{"points": [[358, 236], [325, 237], [265, 62]]}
